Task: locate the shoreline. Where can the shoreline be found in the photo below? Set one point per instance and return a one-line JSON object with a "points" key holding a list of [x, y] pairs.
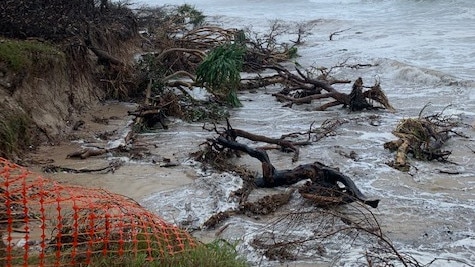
{"points": [[132, 179]]}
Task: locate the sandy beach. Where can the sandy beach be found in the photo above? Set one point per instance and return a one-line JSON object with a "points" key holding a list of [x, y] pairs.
{"points": [[133, 180]]}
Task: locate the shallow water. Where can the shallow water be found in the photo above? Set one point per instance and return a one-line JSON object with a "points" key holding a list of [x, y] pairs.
{"points": [[422, 52], [424, 212]]}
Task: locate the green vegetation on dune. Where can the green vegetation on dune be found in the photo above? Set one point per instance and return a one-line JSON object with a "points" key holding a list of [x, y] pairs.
{"points": [[14, 134], [220, 71], [218, 253], [23, 54]]}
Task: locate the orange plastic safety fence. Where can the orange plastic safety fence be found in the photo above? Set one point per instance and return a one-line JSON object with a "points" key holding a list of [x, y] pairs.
{"points": [[49, 224]]}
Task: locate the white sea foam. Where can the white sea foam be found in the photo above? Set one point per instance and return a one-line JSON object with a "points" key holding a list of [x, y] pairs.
{"points": [[192, 205]]}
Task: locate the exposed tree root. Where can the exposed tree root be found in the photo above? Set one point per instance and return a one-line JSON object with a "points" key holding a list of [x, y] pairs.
{"points": [[423, 138], [319, 174], [112, 167], [303, 89]]}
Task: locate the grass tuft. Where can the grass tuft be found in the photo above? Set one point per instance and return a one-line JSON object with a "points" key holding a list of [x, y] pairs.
{"points": [[30, 55], [216, 254], [14, 135]]}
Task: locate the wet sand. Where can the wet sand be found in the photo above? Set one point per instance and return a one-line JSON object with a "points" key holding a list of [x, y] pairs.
{"points": [[133, 179]]}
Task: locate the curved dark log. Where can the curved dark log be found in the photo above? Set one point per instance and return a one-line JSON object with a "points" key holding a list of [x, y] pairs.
{"points": [[259, 154], [285, 144], [331, 175], [328, 105], [317, 172]]}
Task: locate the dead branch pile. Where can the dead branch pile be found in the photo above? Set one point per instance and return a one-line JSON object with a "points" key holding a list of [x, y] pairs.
{"points": [[290, 142], [423, 138], [327, 227], [180, 41], [303, 89]]}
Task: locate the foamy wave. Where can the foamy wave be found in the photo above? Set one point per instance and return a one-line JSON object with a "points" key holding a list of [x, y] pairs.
{"points": [[191, 205], [414, 74]]}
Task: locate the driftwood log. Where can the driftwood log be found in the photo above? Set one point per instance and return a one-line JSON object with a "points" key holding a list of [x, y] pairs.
{"points": [[285, 142], [281, 142], [149, 116], [111, 167], [320, 175]]}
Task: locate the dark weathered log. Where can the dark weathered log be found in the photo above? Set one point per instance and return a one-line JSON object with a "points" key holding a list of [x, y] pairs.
{"points": [[317, 172], [295, 84], [357, 99], [284, 144], [328, 105], [87, 152], [104, 57]]}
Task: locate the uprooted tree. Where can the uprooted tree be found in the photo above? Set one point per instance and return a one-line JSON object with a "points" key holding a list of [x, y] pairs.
{"points": [[327, 185], [197, 55], [301, 89]]}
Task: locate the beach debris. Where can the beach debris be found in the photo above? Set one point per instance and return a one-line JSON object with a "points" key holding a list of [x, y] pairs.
{"points": [[302, 89], [324, 180], [111, 167], [423, 138]]}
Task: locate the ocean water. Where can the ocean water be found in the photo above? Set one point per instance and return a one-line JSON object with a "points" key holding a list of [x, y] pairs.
{"points": [[434, 34], [423, 53]]}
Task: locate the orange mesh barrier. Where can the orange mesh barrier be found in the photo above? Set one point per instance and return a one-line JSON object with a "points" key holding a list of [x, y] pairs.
{"points": [[49, 224]]}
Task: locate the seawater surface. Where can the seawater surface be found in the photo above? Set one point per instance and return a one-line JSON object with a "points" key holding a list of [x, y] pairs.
{"points": [[422, 52]]}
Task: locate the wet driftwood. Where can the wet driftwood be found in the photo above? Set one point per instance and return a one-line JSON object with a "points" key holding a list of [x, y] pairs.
{"points": [[319, 174], [149, 116], [287, 142], [422, 137], [303, 89], [284, 144], [112, 167]]}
